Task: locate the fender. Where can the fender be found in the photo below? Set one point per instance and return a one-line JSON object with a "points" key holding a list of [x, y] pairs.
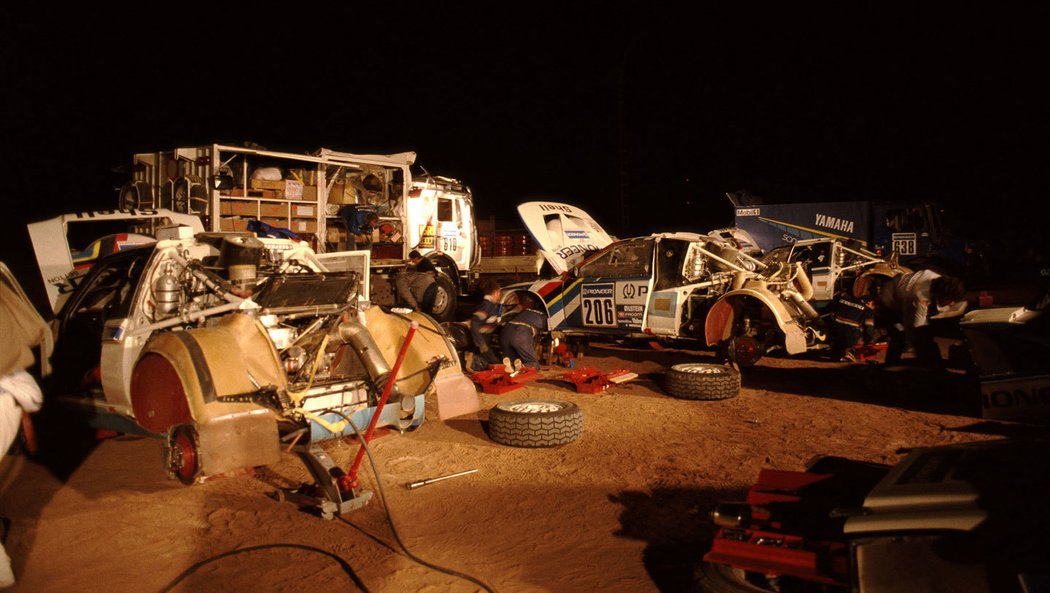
{"points": [[720, 319], [447, 266]]}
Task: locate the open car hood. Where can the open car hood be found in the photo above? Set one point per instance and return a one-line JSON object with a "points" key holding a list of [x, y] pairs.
{"points": [[58, 240], [565, 234]]}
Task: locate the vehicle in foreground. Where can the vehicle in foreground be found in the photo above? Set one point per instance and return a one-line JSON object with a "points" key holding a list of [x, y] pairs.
{"points": [[962, 518], [232, 347]]}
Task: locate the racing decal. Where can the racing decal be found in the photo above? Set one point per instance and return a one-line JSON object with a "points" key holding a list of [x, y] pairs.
{"points": [[599, 305], [631, 296], [904, 243], [748, 211], [1016, 397]]}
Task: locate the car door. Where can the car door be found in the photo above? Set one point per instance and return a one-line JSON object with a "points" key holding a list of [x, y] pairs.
{"points": [[610, 290]]}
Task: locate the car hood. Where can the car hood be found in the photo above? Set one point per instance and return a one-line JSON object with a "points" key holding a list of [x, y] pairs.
{"points": [[565, 234]]}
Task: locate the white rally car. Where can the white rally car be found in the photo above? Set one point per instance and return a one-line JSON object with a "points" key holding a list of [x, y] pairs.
{"points": [[227, 344], [683, 287]]}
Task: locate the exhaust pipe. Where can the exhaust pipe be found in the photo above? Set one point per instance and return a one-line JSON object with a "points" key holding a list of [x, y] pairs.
{"points": [[802, 304], [357, 336]]}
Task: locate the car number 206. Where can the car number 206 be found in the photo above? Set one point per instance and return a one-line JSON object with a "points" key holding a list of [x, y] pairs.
{"points": [[600, 312]]}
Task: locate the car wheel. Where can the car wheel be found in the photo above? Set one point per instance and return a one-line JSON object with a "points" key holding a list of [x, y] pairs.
{"points": [[742, 350], [535, 423], [719, 578], [701, 381], [182, 454], [445, 301]]}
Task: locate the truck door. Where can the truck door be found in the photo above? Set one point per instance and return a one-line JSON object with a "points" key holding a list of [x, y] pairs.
{"points": [[451, 238]]}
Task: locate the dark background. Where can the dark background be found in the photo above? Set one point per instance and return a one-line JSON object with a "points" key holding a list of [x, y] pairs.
{"points": [[643, 117]]}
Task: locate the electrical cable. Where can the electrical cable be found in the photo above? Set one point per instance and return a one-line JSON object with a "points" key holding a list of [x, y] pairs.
{"points": [[390, 519], [349, 570]]}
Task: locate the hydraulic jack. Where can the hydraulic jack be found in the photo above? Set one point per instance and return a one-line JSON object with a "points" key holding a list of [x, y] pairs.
{"points": [[327, 493], [334, 491]]}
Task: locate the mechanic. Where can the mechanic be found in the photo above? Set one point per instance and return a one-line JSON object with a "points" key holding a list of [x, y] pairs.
{"points": [[483, 323], [359, 224], [517, 339], [22, 328], [853, 324], [417, 285], [905, 306]]}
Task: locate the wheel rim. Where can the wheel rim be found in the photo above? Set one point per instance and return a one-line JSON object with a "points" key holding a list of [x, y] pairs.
{"points": [[532, 407], [744, 350], [183, 458], [440, 301], [700, 369]]}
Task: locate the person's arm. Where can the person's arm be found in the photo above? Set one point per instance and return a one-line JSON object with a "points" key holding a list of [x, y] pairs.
{"points": [[476, 322]]}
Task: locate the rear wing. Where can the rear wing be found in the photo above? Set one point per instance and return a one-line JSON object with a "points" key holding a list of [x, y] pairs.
{"points": [[55, 240]]}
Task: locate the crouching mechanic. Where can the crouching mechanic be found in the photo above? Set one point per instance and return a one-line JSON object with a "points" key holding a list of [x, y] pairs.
{"points": [[517, 339], [853, 322], [908, 302], [482, 325], [417, 285]]}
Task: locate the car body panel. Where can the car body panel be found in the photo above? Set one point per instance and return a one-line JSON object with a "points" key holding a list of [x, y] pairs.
{"points": [[564, 233]]}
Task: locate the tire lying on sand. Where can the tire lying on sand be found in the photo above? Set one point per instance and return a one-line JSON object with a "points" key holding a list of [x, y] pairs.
{"points": [[718, 578], [702, 381], [535, 423]]}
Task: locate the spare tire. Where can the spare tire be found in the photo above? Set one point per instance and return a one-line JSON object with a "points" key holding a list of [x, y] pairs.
{"points": [[702, 381], [535, 423]]}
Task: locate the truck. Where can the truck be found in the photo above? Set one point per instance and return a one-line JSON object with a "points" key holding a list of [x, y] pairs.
{"points": [[916, 232], [313, 197]]}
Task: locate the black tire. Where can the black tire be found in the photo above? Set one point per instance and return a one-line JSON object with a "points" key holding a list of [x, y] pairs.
{"points": [[446, 299], [535, 423], [702, 381], [136, 194], [719, 578]]}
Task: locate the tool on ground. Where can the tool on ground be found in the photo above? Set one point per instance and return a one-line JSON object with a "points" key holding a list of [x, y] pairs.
{"points": [[414, 485], [591, 380], [497, 381]]}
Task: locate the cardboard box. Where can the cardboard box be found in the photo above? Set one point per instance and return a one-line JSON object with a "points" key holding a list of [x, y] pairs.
{"points": [[273, 209], [339, 193], [277, 222], [304, 226], [309, 193], [233, 224], [238, 208], [293, 190], [304, 210], [264, 184]]}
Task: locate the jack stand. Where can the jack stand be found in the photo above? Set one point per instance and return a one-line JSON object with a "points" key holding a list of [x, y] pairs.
{"points": [[324, 495], [498, 381], [591, 380]]}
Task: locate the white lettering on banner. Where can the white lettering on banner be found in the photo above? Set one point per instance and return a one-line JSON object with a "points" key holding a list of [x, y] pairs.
{"points": [[835, 224], [1011, 398]]}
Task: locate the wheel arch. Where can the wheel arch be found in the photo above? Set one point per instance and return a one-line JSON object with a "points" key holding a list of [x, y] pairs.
{"points": [[722, 317]]}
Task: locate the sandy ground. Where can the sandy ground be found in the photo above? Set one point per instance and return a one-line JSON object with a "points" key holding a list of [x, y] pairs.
{"points": [[623, 509]]}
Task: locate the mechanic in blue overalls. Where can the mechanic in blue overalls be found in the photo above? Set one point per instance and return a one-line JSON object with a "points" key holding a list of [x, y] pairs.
{"points": [[483, 323], [517, 339]]}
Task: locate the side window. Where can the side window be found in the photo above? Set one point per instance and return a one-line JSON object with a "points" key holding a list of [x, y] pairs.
{"points": [[111, 289], [633, 259], [444, 210]]}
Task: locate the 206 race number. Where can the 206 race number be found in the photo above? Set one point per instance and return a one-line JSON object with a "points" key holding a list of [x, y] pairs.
{"points": [[598, 305]]}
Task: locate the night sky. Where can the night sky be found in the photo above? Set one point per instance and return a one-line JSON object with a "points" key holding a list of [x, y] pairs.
{"points": [[585, 104]]}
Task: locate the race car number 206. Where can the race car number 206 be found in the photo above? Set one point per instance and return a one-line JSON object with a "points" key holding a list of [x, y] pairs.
{"points": [[598, 306]]}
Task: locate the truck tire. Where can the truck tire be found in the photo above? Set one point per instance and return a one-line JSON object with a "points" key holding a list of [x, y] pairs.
{"points": [[446, 300], [719, 578], [702, 381], [535, 423]]}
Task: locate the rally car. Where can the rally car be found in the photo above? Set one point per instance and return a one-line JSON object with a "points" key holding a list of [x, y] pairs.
{"points": [[679, 287], [226, 344], [960, 518]]}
